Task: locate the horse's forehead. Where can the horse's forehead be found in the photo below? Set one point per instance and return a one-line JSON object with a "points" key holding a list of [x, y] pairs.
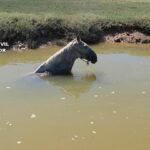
{"points": [[79, 43], [84, 44]]}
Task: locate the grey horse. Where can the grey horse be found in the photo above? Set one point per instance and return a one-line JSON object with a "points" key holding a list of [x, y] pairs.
{"points": [[62, 62]]}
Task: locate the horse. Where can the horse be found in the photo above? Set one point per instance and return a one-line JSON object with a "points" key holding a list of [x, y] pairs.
{"points": [[61, 62]]}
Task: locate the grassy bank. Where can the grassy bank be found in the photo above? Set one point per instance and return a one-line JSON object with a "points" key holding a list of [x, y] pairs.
{"points": [[36, 21]]}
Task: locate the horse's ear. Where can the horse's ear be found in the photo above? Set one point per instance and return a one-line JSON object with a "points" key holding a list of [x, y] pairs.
{"points": [[78, 38]]}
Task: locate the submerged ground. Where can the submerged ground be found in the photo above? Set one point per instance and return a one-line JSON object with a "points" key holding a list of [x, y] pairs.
{"points": [[102, 106], [36, 21]]}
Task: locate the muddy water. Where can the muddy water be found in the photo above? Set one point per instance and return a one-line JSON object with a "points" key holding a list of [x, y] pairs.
{"points": [[103, 106]]}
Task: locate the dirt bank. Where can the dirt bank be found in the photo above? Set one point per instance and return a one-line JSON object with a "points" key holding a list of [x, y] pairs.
{"points": [[134, 37], [128, 37]]}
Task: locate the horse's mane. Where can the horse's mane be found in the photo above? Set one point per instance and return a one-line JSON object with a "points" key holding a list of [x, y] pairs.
{"points": [[65, 49]]}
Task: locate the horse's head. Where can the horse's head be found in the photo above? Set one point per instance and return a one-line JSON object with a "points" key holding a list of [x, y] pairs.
{"points": [[84, 51]]}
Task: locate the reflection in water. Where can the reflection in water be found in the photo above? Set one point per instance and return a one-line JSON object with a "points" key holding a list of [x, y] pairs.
{"points": [[71, 84]]}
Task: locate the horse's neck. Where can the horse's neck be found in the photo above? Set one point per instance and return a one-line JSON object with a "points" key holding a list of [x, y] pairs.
{"points": [[65, 57]]}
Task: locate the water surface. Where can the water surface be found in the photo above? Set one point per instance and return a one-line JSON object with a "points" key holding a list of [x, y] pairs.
{"points": [[102, 106]]}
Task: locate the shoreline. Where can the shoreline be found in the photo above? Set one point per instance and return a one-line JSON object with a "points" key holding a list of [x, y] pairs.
{"points": [[134, 37]]}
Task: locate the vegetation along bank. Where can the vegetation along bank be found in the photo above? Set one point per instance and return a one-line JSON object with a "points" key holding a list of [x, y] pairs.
{"points": [[31, 23]]}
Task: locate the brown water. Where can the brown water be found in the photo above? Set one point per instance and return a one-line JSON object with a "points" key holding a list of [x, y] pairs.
{"points": [[103, 106]]}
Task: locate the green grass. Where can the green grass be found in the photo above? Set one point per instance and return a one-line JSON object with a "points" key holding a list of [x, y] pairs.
{"points": [[108, 9], [29, 20]]}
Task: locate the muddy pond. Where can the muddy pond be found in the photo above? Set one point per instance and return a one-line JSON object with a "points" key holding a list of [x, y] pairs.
{"points": [[103, 106]]}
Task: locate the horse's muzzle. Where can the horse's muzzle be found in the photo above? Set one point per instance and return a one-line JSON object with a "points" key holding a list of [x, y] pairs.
{"points": [[92, 57]]}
